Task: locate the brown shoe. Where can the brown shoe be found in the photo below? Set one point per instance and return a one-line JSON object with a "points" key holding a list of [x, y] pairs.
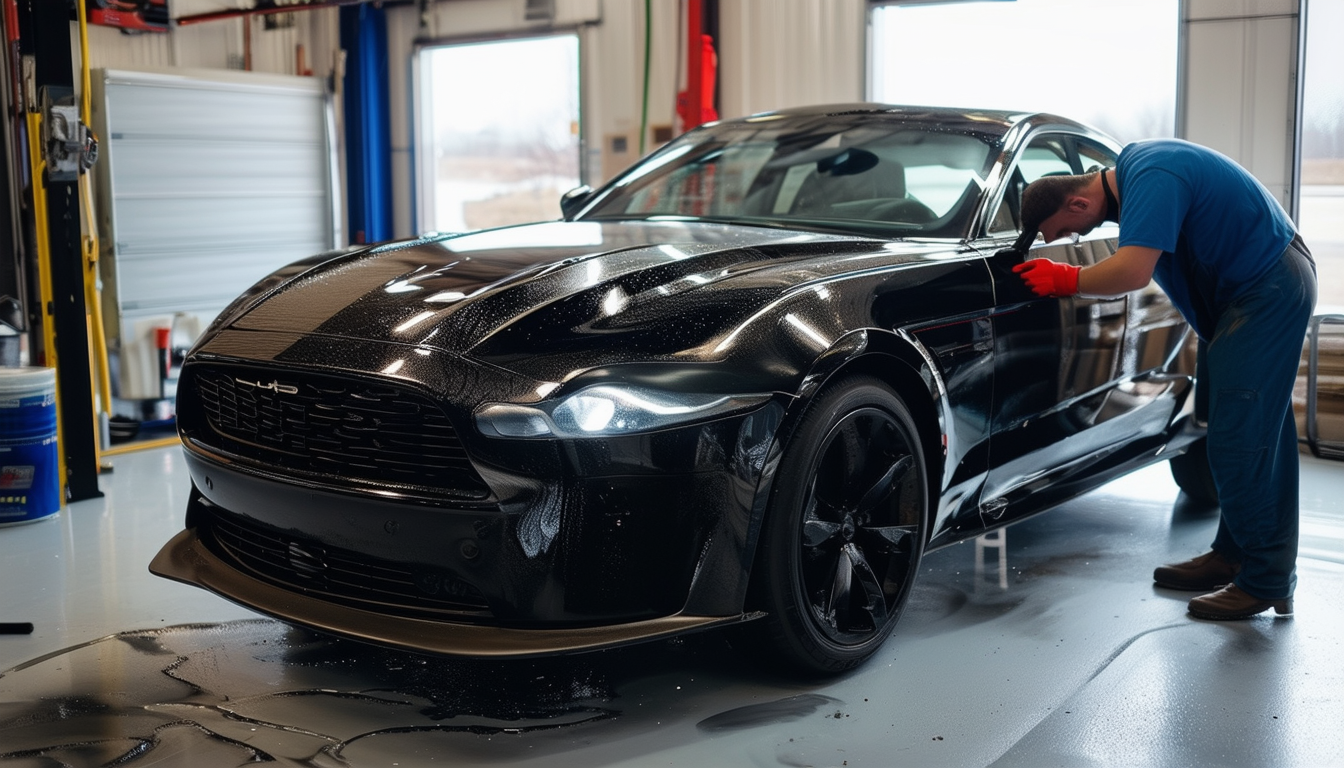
{"points": [[1207, 572], [1231, 602]]}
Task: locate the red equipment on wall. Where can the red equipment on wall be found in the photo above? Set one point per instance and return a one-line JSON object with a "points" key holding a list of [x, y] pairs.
{"points": [[129, 15], [695, 105], [709, 62]]}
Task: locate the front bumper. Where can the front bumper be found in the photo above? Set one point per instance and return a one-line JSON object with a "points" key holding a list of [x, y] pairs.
{"points": [[564, 544], [185, 558], [640, 537]]}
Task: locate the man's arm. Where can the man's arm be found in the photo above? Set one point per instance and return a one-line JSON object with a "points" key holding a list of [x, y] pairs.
{"points": [[1128, 269]]}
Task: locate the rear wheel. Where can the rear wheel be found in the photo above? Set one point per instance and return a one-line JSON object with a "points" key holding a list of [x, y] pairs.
{"points": [[1191, 472], [845, 529]]}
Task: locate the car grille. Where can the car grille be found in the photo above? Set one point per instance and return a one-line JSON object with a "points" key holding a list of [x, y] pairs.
{"points": [[341, 575], [336, 427]]}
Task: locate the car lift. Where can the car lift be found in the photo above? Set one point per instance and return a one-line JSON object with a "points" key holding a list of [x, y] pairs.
{"points": [[59, 150]]}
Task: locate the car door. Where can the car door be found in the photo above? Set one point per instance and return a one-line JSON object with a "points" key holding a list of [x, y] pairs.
{"points": [[1071, 374]]}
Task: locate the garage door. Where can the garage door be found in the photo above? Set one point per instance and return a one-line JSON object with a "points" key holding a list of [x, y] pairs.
{"points": [[208, 181]]}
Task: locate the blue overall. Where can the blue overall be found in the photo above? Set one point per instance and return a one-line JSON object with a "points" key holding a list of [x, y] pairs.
{"points": [[1234, 266]]}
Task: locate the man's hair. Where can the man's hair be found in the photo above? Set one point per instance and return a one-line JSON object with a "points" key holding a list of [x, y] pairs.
{"points": [[1044, 198]]}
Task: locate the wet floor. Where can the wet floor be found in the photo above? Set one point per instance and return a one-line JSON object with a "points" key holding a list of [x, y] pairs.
{"points": [[1048, 646]]}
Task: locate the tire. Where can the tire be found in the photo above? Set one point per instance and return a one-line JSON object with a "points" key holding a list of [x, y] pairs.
{"points": [[1192, 474], [844, 532]]}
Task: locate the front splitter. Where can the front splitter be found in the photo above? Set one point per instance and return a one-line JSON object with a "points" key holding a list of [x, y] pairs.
{"points": [[185, 558]]}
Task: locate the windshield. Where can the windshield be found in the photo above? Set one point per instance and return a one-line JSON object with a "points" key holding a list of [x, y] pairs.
{"points": [[870, 174]]}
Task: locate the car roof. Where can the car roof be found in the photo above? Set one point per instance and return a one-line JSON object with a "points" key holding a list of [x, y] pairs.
{"points": [[994, 120]]}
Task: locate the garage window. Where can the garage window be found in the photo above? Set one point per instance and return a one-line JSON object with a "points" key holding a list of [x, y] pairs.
{"points": [[997, 55], [498, 131], [1321, 210]]}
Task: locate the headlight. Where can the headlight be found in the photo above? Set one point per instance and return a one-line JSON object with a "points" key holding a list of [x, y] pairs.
{"points": [[606, 409]]}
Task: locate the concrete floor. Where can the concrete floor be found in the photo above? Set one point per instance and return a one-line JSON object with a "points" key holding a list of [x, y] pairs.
{"points": [[1062, 653]]}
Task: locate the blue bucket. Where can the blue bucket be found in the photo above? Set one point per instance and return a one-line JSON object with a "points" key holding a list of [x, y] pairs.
{"points": [[30, 488]]}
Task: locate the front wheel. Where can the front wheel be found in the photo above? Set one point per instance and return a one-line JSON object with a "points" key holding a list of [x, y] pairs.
{"points": [[845, 529]]}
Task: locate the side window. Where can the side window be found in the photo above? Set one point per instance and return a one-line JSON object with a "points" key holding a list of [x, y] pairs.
{"points": [[1046, 155], [1006, 218], [1093, 155]]}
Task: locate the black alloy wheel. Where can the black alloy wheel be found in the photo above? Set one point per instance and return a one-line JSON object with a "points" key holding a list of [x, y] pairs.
{"points": [[845, 530]]}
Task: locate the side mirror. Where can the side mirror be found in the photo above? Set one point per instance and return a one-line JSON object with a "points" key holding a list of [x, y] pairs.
{"points": [[573, 200]]}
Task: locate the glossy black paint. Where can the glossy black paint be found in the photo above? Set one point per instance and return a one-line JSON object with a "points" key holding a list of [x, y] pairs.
{"points": [[572, 543]]}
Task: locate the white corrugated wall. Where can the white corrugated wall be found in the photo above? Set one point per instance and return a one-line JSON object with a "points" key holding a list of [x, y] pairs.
{"points": [[786, 53]]}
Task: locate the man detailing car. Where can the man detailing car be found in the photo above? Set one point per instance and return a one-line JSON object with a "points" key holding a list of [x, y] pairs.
{"points": [[489, 444], [1229, 257]]}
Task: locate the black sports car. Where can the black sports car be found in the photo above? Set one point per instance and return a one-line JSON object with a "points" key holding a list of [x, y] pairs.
{"points": [[749, 381]]}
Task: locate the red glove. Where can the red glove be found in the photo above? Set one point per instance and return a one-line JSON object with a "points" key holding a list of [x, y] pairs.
{"points": [[1049, 278]]}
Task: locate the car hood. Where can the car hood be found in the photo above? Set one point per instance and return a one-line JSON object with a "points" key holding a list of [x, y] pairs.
{"points": [[508, 293]]}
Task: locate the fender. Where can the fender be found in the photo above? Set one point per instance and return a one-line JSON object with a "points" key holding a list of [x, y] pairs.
{"points": [[896, 357]]}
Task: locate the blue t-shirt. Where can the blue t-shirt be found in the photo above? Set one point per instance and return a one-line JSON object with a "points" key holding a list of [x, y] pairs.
{"points": [[1218, 228]]}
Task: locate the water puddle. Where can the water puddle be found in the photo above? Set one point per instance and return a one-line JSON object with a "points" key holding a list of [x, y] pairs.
{"points": [[261, 691]]}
